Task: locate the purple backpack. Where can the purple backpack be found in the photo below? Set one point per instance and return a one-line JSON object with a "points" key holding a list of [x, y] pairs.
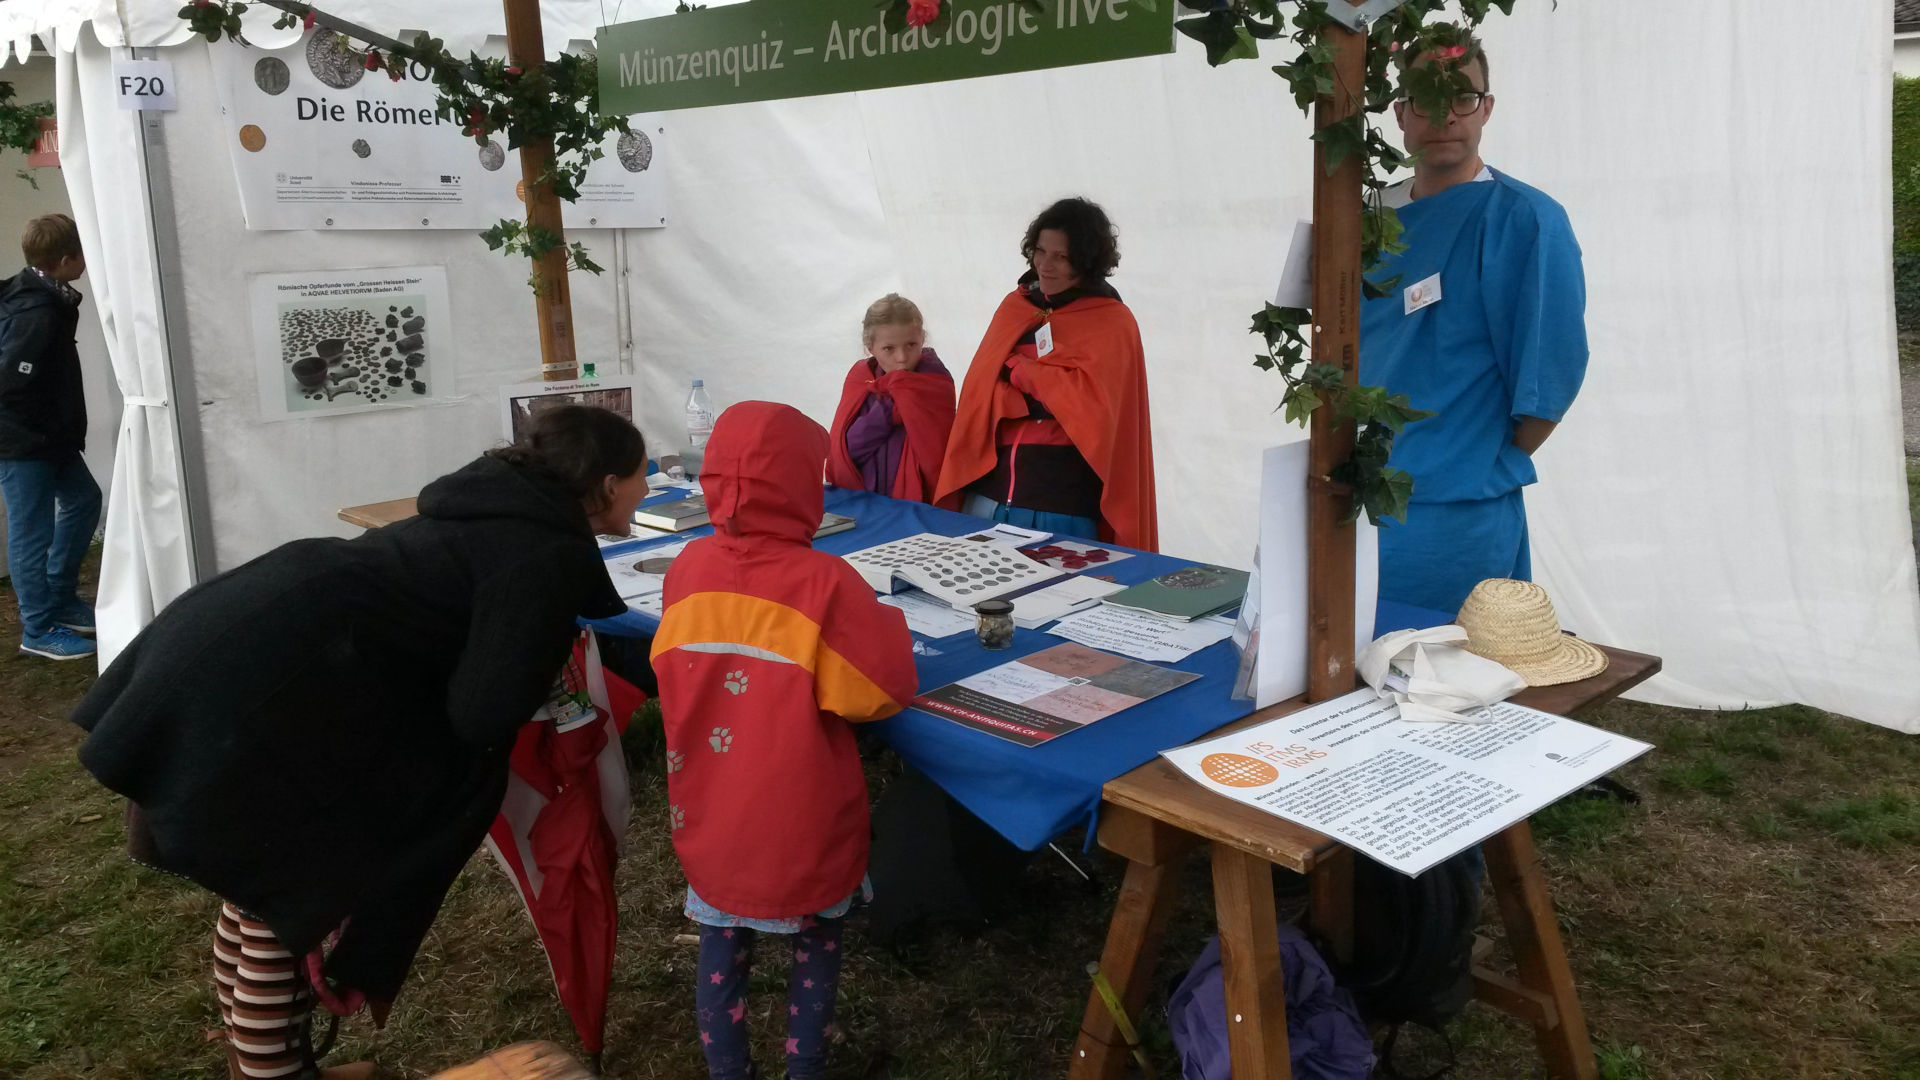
{"points": [[1325, 1037]]}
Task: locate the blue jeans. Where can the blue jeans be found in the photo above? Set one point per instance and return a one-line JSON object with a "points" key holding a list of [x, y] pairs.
{"points": [[52, 507]]}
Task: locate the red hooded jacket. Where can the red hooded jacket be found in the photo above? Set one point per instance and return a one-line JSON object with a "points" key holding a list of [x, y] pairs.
{"points": [[766, 649]]}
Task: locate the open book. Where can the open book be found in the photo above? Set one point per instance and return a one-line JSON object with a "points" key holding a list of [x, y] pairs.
{"points": [[960, 572]]}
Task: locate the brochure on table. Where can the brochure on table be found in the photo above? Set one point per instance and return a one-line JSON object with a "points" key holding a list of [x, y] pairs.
{"points": [[1049, 693], [1141, 635], [929, 617], [1405, 794]]}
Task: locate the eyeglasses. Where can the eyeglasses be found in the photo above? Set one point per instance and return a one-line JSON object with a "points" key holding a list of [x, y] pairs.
{"points": [[1463, 104]]}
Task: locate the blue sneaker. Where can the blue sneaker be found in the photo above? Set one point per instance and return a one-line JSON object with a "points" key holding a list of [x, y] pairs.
{"points": [[59, 643], [78, 618]]}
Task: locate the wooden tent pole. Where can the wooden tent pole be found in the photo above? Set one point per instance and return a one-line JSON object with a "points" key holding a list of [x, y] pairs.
{"points": [[553, 304], [1336, 340]]}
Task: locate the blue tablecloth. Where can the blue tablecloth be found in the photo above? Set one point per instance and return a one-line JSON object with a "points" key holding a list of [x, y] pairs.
{"points": [[1029, 793]]}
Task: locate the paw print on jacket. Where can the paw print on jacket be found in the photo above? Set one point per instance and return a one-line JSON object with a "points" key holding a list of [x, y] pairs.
{"points": [[677, 817], [736, 682], [676, 761], [721, 740]]}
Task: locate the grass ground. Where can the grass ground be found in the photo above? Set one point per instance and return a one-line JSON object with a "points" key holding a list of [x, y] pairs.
{"points": [[1753, 917]]}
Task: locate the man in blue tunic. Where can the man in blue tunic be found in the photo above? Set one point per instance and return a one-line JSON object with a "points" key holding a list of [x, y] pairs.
{"points": [[1486, 327]]}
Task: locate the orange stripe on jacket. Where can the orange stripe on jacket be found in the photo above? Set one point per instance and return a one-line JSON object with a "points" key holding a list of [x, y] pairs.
{"points": [[727, 618]]}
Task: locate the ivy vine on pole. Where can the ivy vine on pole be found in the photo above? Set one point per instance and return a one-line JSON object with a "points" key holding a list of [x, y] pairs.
{"points": [[559, 100], [1232, 30]]}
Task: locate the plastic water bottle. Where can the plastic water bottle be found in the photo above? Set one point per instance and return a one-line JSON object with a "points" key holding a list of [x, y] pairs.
{"points": [[699, 428]]}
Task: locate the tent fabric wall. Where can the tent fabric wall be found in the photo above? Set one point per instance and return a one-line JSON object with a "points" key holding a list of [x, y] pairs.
{"points": [[1726, 493], [148, 558], [269, 482]]}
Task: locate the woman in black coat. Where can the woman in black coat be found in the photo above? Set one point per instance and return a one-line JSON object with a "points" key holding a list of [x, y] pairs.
{"points": [[321, 735]]}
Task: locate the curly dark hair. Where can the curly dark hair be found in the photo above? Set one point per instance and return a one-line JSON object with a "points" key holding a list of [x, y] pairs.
{"points": [[1092, 246], [578, 447]]}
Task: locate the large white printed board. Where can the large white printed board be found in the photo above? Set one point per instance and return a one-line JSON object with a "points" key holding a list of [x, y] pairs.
{"points": [[1403, 793], [320, 142]]}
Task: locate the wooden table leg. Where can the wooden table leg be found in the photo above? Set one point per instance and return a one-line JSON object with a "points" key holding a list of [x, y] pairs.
{"points": [[1330, 902], [1250, 965], [1534, 935], [1133, 948]]}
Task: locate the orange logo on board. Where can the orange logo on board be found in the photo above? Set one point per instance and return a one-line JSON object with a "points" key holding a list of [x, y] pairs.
{"points": [[1238, 770]]}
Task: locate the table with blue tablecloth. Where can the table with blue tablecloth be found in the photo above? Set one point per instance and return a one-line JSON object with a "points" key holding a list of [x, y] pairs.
{"points": [[1029, 794]]}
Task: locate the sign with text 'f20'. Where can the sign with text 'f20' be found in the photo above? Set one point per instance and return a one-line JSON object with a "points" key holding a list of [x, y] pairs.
{"points": [[768, 49]]}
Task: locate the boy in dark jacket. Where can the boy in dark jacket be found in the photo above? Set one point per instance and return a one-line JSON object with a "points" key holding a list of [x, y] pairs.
{"points": [[52, 502]]}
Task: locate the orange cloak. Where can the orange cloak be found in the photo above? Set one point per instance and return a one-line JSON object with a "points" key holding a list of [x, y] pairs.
{"points": [[1095, 384], [923, 403]]}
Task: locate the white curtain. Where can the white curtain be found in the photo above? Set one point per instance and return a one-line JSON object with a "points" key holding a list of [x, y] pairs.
{"points": [[1727, 492], [148, 558]]}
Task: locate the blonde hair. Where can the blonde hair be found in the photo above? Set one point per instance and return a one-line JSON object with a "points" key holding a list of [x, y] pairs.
{"points": [[890, 310], [49, 239]]}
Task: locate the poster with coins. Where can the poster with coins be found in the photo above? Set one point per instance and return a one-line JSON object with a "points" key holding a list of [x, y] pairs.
{"points": [[318, 141], [339, 341]]}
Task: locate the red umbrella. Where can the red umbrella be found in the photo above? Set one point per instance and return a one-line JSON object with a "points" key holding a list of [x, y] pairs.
{"points": [[559, 829]]}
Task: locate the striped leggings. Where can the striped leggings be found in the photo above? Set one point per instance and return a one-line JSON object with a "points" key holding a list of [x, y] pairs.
{"points": [[265, 1000]]}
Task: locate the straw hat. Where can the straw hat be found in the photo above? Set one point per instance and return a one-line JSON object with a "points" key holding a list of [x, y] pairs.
{"points": [[1512, 623]]}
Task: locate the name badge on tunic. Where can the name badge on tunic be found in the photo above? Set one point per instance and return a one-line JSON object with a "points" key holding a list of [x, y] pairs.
{"points": [[1043, 339], [1422, 293]]}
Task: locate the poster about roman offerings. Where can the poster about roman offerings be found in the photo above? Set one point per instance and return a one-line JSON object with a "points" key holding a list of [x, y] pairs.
{"points": [[336, 341], [320, 142]]}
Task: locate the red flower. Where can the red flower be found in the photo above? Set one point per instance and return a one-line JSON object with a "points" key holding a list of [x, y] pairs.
{"points": [[513, 71], [308, 21], [396, 72], [373, 59], [922, 12], [1451, 52]]}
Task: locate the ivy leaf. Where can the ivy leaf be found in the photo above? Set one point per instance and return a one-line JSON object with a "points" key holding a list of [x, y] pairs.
{"points": [[581, 262], [1341, 138], [502, 233], [1300, 401], [1396, 491], [1222, 34]]}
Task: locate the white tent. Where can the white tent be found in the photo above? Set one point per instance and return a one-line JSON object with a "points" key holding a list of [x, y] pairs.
{"points": [[1727, 492]]}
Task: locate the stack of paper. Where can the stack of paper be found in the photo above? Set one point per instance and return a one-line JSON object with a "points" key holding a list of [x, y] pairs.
{"points": [[1033, 610], [1141, 635]]}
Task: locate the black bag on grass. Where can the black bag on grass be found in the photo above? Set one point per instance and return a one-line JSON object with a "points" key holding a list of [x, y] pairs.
{"points": [[1413, 940]]}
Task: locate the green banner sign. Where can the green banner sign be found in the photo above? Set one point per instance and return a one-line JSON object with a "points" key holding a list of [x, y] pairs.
{"points": [[769, 49]]}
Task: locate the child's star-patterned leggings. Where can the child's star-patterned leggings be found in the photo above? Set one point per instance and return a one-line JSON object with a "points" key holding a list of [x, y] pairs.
{"points": [[720, 996]]}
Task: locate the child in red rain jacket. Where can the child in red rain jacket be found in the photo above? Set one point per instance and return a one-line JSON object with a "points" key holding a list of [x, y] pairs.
{"points": [[766, 651]]}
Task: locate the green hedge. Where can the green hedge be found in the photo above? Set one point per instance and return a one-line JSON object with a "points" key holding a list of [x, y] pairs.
{"points": [[1906, 164], [1906, 201]]}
